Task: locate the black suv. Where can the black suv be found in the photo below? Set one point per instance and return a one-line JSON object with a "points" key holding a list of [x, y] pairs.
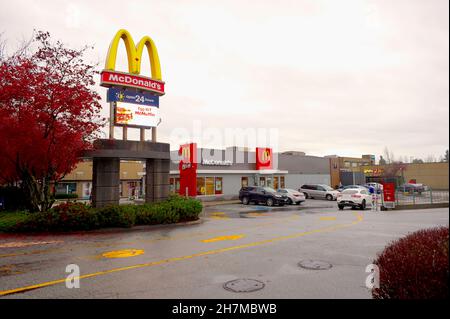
{"points": [[258, 195]]}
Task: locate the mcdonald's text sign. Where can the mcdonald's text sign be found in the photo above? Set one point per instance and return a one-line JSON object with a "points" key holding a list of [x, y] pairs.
{"points": [[114, 78]]}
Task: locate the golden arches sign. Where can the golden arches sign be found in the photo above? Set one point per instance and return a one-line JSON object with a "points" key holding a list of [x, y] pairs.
{"points": [[265, 156], [134, 53]]}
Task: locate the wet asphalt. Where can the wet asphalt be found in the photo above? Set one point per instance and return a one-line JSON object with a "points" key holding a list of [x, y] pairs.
{"points": [[195, 260]]}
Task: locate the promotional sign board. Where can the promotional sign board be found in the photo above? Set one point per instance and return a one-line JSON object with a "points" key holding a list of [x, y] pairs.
{"points": [[136, 115], [263, 158], [389, 192], [188, 169], [132, 96]]}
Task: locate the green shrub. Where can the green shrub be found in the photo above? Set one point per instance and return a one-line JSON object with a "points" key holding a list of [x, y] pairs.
{"points": [[64, 217], [77, 216], [66, 196], [117, 216]]}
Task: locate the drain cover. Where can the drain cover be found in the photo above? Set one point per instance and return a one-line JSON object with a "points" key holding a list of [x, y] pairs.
{"points": [[315, 264], [243, 285]]}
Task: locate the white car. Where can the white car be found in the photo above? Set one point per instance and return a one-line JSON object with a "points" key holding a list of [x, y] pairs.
{"points": [[354, 198], [294, 197]]}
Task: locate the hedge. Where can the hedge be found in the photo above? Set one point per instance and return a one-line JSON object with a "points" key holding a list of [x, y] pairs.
{"points": [[415, 267], [78, 216]]}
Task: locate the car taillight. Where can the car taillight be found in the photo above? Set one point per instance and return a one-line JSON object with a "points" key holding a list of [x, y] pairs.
{"points": [[356, 196]]}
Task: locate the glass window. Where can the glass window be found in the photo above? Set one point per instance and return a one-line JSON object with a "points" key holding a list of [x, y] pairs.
{"points": [[218, 185], [275, 182], [209, 185], [262, 181], [354, 164], [282, 182], [171, 185], [347, 164], [201, 186], [177, 185], [244, 181]]}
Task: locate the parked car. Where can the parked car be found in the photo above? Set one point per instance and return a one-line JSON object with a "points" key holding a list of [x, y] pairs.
{"points": [[340, 189], [412, 188], [262, 195], [377, 187], [354, 198], [319, 191], [294, 197]]}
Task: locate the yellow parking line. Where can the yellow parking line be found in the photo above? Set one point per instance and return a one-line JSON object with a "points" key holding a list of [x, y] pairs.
{"points": [[164, 261], [221, 238], [327, 218]]}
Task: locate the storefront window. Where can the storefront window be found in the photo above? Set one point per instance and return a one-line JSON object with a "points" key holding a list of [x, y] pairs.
{"points": [[218, 185], [262, 181], [244, 181], [177, 185], [66, 188], [201, 186], [275, 182], [172, 185], [210, 186], [282, 182]]}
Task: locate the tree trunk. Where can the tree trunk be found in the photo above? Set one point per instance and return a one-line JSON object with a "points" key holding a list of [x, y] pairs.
{"points": [[39, 198]]}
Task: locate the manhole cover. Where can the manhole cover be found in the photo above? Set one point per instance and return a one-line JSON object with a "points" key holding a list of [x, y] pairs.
{"points": [[315, 264], [243, 285]]}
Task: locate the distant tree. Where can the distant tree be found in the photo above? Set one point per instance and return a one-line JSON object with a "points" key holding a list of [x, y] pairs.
{"points": [[382, 161], [417, 161], [445, 157], [430, 159], [389, 155], [49, 114]]}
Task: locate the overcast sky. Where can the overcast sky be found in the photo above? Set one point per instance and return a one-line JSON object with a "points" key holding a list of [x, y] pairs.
{"points": [[334, 77]]}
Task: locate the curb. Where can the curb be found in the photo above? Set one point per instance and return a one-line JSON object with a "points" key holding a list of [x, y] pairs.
{"points": [[421, 206], [104, 230]]}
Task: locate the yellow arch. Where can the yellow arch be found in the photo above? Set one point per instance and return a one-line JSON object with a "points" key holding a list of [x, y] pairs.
{"points": [[134, 54]]}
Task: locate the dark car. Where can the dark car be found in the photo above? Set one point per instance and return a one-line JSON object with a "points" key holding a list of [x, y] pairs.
{"points": [[411, 188], [261, 195]]}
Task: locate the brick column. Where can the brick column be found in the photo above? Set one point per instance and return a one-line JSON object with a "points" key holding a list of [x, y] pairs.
{"points": [[157, 180], [105, 181]]}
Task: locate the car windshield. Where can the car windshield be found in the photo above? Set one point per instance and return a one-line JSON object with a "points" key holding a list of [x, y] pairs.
{"points": [[327, 188], [350, 191], [269, 189]]}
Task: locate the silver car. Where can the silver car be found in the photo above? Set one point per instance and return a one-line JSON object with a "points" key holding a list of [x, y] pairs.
{"points": [[319, 191], [294, 197]]}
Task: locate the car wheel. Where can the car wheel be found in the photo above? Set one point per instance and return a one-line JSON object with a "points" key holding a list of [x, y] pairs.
{"points": [[245, 201], [306, 195], [341, 207], [269, 202], [329, 197], [289, 202], [363, 204]]}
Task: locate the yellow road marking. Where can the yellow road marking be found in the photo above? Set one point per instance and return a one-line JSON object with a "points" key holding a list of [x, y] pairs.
{"points": [[230, 237], [256, 214], [176, 237], [327, 218], [125, 253], [165, 261]]}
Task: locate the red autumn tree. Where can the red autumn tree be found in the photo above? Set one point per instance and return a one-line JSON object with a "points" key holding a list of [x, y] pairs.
{"points": [[49, 114]]}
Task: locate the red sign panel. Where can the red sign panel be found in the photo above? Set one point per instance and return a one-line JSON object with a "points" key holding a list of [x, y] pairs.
{"points": [[111, 78], [389, 192], [188, 169], [263, 158]]}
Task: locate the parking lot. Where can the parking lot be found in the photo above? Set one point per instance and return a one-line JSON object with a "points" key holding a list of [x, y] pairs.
{"points": [[258, 244]]}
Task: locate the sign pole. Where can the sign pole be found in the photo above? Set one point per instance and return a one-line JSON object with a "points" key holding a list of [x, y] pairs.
{"points": [[142, 135], [111, 119], [154, 134], [125, 133]]}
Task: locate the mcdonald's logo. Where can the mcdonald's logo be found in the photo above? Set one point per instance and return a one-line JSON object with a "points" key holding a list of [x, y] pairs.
{"points": [[263, 158], [110, 77], [186, 153]]}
